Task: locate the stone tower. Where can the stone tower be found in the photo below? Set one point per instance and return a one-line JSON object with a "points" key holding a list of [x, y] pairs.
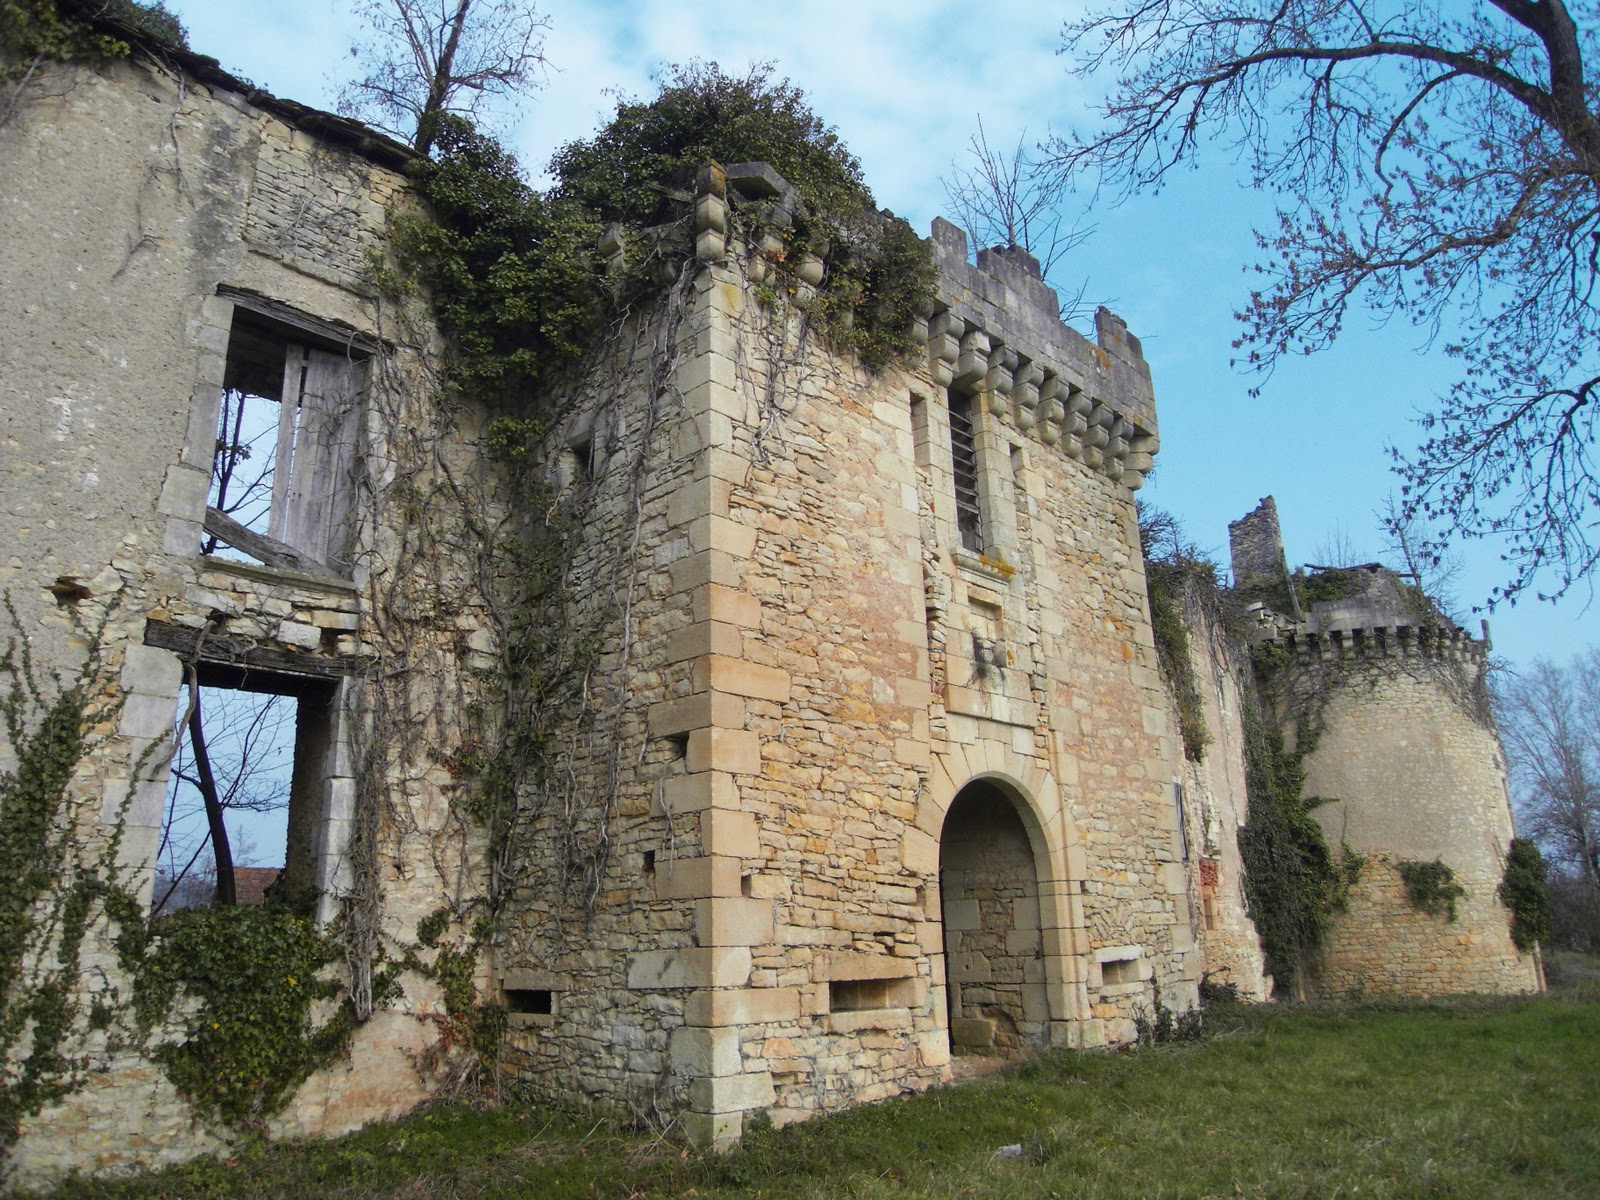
{"points": [[1388, 699]]}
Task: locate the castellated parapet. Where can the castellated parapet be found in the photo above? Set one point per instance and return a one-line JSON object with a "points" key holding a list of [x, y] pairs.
{"points": [[1390, 701]]}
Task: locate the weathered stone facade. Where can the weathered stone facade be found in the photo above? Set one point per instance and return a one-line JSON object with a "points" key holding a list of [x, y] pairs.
{"points": [[873, 761], [150, 223]]}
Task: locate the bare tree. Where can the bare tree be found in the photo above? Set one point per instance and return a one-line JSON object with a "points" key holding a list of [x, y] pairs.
{"points": [[425, 58], [1337, 549], [1550, 723], [1440, 162], [1436, 572], [1009, 199]]}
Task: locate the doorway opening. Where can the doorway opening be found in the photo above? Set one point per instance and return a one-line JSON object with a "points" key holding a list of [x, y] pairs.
{"points": [[994, 949]]}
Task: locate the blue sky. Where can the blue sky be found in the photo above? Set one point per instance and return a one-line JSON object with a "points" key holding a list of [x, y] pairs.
{"points": [[904, 84]]}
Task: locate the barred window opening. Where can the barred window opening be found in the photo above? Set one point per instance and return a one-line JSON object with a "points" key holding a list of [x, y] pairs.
{"points": [[964, 458]]}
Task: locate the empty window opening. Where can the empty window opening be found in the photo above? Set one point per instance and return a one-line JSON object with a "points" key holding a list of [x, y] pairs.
{"points": [[649, 862], [1119, 970], [281, 479], [577, 463], [245, 791], [538, 1002], [964, 462], [1183, 821], [747, 885]]}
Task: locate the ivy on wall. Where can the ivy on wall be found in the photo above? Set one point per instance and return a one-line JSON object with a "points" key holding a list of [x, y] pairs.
{"points": [[1523, 890], [244, 979], [513, 273], [61, 30], [1295, 885], [1431, 887], [49, 886]]}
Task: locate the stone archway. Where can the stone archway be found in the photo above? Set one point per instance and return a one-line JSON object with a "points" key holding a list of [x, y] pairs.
{"points": [[996, 988]]}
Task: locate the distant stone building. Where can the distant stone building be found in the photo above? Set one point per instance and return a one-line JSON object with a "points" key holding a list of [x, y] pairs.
{"points": [[870, 759]]}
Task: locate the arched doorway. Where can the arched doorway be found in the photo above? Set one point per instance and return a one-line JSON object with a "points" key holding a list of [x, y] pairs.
{"points": [[989, 899]]}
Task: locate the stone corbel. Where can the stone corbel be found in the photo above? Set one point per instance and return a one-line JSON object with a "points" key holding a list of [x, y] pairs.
{"points": [[945, 331], [973, 364], [998, 381], [1024, 390], [711, 216], [768, 251], [1141, 457], [1052, 410]]}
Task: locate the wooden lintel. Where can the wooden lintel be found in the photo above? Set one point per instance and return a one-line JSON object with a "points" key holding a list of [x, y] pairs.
{"points": [[221, 649], [335, 335]]}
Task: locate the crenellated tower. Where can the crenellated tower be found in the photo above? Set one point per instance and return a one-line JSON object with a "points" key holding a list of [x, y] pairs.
{"points": [[1387, 699]]}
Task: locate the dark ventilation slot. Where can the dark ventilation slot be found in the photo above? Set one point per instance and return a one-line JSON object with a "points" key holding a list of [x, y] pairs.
{"points": [[538, 1002], [858, 995]]}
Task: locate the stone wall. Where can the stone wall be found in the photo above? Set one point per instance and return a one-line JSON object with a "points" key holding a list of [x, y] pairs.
{"points": [[815, 669], [1255, 546], [1215, 804], [141, 212], [1384, 946], [839, 776], [1410, 763]]}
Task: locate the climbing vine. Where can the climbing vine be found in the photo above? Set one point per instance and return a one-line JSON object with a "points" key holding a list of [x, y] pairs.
{"points": [[62, 30], [53, 883], [1177, 576], [1523, 890], [247, 978], [1431, 887], [1294, 883]]}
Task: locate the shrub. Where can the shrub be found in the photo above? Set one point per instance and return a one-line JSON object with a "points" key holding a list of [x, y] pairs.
{"points": [[1523, 890]]}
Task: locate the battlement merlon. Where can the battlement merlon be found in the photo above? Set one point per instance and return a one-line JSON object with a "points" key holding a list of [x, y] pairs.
{"points": [[993, 329], [1096, 400]]}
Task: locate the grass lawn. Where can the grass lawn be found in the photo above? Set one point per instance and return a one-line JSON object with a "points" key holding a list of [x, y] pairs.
{"points": [[1472, 1098]]}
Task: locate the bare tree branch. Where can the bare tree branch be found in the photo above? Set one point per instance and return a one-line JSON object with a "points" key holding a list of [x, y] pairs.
{"points": [[1440, 163], [1008, 199], [425, 58]]}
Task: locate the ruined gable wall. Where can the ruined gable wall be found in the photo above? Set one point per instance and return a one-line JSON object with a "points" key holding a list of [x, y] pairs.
{"points": [[129, 194]]}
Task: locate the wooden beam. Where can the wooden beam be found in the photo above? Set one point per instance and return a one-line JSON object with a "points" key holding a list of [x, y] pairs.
{"points": [[336, 335], [258, 545], [226, 650]]}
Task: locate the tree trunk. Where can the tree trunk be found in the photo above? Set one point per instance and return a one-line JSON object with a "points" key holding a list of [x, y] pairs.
{"points": [[213, 801]]}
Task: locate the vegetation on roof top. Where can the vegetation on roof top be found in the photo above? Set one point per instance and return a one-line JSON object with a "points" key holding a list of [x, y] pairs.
{"points": [[49, 29], [514, 275]]}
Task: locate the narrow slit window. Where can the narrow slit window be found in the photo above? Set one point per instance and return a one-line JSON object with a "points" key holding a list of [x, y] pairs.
{"points": [[964, 461], [1183, 821]]}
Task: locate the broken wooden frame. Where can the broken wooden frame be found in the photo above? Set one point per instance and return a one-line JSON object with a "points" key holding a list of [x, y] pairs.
{"points": [[314, 372]]}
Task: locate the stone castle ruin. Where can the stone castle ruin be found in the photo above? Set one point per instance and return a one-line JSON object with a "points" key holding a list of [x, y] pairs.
{"points": [[745, 740]]}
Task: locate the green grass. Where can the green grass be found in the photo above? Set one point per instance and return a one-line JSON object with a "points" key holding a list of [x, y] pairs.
{"points": [[1469, 1098]]}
